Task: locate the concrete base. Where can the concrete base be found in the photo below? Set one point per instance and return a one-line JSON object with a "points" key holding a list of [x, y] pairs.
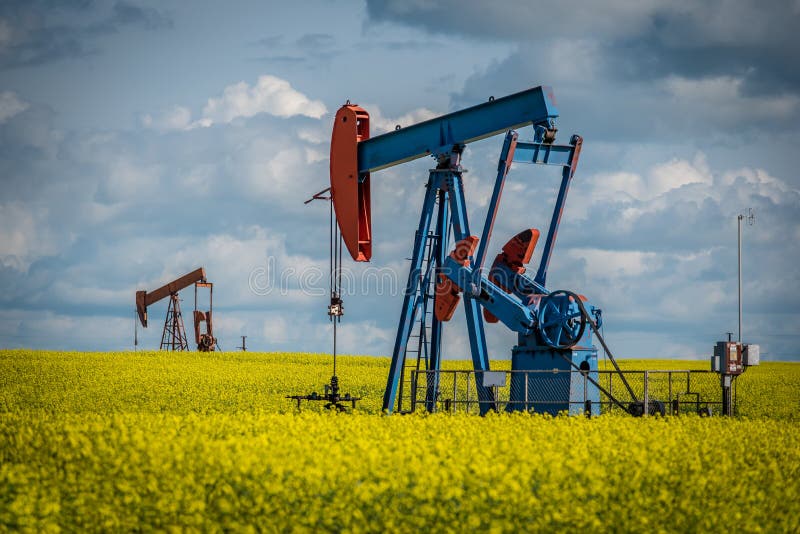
{"points": [[553, 392]]}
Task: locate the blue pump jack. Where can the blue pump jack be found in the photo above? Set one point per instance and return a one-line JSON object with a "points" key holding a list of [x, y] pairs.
{"points": [[551, 326]]}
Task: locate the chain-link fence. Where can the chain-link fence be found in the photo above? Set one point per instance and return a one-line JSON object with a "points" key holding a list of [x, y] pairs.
{"points": [[667, 392]]}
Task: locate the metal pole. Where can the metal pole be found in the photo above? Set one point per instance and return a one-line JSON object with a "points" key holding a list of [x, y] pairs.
{"points": [[527, 406], [739, 254]]}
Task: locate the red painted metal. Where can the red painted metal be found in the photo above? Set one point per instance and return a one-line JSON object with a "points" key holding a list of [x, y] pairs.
{"points": [[206, 342], [516, 253], [489, 316], [145, 299], [349, 192], [448, 294]]}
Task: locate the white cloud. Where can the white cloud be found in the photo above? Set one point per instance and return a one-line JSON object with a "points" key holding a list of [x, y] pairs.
{"points": [[270, 94], [276, 329], [177, 118], [250, 266], [10, 104], [129, 181], [573, 60], [618, 263], [200, 179], [766, 185], [24, 235], [675, 174], [363, 337], [657, 181], [280, 170], [38, 328], [379, 124], [721, 98], [315, 136]]}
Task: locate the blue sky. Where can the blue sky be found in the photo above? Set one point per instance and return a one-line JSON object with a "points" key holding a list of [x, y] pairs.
{"points": [[139, 140]]}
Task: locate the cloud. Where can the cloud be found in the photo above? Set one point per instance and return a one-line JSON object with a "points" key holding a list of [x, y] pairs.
{"points": [[127, 14], [517, 18], [33, 33], [660, 179], [128, 181], [380, 124], [270, 94], [26, 328], [315, 41], [651, 239], [276, 329], [640, 41], [668, 110], [308, 48], [722, 100], [617, 262], [177, 118], [24, 235], [10, 105]]}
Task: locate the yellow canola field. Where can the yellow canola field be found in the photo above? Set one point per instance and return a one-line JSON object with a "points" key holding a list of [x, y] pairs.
{"points": [[154, 441]]}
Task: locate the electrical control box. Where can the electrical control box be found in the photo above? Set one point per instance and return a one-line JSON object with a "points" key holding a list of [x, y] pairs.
{"points": [[752, 354], [727, 358]]}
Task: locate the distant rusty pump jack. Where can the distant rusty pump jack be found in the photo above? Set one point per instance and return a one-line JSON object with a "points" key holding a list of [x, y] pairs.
{"points": [[173, 336]]}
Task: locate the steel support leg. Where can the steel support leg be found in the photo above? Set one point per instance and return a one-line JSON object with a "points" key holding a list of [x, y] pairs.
{"points": [[412, 288], [558, 210], [477, 336], [441, 250], [503, 166]]}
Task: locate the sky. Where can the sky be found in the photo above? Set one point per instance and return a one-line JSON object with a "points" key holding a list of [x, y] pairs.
{"points": [[140, 140]]}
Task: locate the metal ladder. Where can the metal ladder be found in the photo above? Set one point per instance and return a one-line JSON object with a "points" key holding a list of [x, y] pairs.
{"points": [[418, 345]]}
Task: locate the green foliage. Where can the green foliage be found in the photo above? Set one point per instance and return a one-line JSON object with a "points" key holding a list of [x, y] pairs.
{"points": [[207, 442]]}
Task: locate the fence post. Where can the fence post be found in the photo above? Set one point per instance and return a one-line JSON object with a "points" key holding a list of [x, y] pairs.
{"points": [[587, 403], [646, 394], [455, 390], [414, 378], [527, 406], [670, 392], [610, 385], [476, 390]]}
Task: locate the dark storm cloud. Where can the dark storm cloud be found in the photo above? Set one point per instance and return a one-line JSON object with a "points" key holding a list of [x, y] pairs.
{"points": [[748, 39], [40, 32]]}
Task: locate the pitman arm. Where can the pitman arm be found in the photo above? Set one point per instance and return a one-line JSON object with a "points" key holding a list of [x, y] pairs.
{"points": [[507, 307]]}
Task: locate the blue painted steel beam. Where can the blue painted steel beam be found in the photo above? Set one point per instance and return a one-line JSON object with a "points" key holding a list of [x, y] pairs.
{"points": [[507, 154], [543, 154], [566, 177], [507, 307], [533, 106], [519, 284]]}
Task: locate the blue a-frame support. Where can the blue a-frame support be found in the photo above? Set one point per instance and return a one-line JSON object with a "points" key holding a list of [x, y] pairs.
{"points": [[445, 185], [444, 209]]}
